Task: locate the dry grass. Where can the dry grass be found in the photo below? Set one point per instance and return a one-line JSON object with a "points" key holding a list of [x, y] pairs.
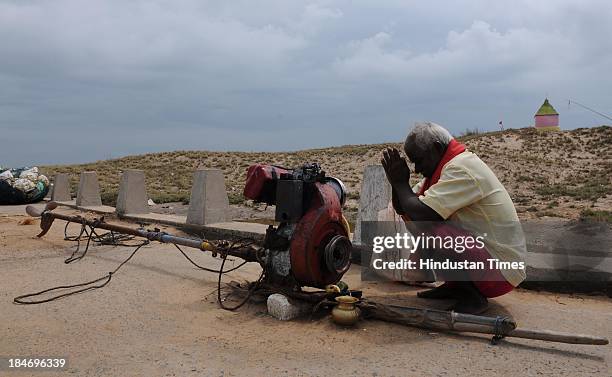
{"points": [[546, 173]]}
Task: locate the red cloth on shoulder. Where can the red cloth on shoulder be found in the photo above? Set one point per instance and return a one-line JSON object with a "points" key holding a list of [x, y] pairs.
{"points": [[452, 150]]}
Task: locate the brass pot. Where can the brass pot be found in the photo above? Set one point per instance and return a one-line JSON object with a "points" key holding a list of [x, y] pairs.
{"points": [[345, 313]]}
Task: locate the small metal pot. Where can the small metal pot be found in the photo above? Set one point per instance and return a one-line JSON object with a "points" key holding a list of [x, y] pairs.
{"points": [[346, 313]]}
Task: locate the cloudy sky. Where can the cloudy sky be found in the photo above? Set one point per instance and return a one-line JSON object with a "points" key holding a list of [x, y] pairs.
{"points": [[87, 80]]}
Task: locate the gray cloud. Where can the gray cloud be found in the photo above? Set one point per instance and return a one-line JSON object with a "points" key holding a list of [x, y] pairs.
{"points": [[87, 81]]}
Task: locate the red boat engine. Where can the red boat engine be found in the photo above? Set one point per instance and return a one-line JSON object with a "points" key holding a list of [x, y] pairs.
{"points": [[310, 246]]}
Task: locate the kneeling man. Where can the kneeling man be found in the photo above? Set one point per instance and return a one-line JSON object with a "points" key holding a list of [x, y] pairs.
{"points": [[459, 197]]}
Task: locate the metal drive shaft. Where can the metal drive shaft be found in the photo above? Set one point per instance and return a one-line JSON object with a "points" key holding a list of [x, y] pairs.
{"points": [[47, 217]]}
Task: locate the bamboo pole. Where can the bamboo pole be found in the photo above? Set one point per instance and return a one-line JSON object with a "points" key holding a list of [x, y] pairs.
{"points": [[452, 321]]}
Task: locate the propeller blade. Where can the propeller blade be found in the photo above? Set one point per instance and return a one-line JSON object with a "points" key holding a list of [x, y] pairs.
{"points": [[36, 212]]}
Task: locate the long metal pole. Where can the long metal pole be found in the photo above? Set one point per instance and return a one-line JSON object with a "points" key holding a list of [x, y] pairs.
{"points": [[47, 217]]}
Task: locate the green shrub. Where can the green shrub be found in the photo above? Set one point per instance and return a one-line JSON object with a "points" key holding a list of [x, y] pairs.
{"points": [[596, 215], [109, 198], [235, 198], [170, 197]]}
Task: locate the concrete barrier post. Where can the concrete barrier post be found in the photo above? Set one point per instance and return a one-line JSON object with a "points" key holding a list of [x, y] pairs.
{"points": [[208, 202], [374, 196], [132, 197], [89, 190], [61, 188]]}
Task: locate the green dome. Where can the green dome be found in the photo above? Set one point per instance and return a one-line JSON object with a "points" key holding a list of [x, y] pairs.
{"points": [[547, 109]]}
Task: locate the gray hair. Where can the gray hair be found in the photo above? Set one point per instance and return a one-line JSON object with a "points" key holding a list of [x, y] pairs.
{"points": [[423, 135]]}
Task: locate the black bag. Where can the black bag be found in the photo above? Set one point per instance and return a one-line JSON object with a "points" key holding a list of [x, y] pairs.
{"points": [[11, 195]]}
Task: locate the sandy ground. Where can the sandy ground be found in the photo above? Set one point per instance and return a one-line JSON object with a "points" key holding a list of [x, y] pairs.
{"points": [[159, 317]]}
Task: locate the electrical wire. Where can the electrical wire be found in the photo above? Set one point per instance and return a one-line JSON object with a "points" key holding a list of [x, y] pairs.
{"points": [[108, 238], [111, 238], [108, 277], [208, 269], [252, 289]]}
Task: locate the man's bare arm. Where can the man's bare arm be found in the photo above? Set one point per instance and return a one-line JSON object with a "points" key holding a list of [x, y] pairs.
{"points": [[406, 202]]}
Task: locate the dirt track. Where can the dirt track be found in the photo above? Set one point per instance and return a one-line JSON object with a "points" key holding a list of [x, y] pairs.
{"points": [[159, 317]]}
